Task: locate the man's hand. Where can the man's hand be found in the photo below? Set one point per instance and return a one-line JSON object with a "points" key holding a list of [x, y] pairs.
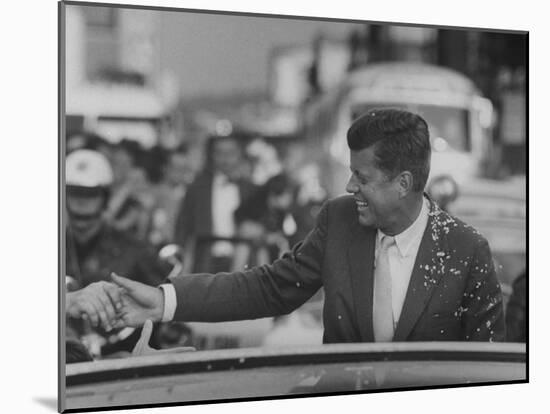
{"points": [[98, 302], [139, 302]]}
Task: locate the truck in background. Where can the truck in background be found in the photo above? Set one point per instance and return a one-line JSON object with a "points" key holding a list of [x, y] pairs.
{"points": [[460, 119]]}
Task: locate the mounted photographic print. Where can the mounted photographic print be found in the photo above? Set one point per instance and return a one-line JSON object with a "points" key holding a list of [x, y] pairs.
{"points": [[264, 206]]}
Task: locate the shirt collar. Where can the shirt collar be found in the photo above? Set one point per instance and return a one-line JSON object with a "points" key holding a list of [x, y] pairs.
{"points": [[412, 235], [221, 179]]}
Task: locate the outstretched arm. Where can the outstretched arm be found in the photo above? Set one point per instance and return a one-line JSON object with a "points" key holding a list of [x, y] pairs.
{"points": [[264, 291]]}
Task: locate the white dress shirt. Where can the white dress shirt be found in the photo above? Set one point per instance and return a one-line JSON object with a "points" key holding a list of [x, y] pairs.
{"points": [[402, 255], [225, 200]]}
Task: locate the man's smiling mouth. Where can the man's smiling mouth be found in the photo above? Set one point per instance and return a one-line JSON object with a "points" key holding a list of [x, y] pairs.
{"points": [[361, 205]]}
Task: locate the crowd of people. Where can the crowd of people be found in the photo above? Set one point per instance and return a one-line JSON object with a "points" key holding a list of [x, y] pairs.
{"points": [[124, 203]]}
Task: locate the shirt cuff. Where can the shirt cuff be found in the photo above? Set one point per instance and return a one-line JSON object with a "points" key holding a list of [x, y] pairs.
{"points": [[170, 302]]}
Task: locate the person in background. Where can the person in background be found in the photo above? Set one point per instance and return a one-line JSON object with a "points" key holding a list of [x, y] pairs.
{"points": [[169, 193], [265, 160], [208, 208], [310, 193], [94, 248], [265, 219], [131, 201]]}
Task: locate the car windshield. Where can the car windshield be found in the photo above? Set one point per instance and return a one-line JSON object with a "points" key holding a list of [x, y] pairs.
{"points": [[448, 126], [255, 373]]}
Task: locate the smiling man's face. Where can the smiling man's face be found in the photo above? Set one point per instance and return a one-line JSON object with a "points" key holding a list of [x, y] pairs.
{"points": [[376, 194]]}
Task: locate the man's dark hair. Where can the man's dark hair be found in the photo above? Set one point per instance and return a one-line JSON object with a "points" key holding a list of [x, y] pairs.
{"points": [[239, 139], [278, 184], [400, 139]]}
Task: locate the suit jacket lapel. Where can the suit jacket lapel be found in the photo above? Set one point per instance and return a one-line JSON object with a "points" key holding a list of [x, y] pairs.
{"points": [[428, 269], [361, 259]]}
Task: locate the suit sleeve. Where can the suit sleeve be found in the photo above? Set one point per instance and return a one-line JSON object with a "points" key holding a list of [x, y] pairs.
{"points": [[484, 317], [264, 291]]}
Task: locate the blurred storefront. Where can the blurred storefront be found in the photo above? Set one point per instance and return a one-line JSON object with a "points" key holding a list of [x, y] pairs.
{"points": [[113, 56]]}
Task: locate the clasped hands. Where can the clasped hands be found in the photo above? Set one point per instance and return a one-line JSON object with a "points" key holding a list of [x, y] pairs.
{"points": [[118, 304]]}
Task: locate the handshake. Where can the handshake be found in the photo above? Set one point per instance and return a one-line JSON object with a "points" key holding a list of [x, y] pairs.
{"points": [[117, 304]]}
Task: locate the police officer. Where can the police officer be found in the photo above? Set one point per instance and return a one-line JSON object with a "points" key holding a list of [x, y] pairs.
{"points": [[94, 249]]}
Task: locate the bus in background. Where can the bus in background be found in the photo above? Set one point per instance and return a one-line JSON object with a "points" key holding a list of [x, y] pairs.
{"points": [[460, 119], [119, 111]]}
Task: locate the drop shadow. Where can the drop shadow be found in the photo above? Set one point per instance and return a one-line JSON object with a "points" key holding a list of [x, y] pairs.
{"points": [[48, 402]]}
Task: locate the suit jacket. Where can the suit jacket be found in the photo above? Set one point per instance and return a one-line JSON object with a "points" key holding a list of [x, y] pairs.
{"points": [[453, 293], [516, 311]]}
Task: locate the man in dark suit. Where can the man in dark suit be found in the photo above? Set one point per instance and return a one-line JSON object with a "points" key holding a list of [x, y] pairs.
{"points": [[209, 205], [394, 266]]}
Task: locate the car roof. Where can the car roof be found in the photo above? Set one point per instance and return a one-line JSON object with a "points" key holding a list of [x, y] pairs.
{"points": [[421, 76]]}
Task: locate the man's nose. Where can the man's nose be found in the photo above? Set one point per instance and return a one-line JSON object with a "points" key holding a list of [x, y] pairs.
{"points": [[351, 186]]}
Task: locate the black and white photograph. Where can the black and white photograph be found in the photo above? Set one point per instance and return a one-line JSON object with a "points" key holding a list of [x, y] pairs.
{"points": [[260, 206]]}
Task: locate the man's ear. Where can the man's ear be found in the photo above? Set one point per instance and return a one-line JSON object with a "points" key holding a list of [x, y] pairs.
{"points": [[405, 181]]}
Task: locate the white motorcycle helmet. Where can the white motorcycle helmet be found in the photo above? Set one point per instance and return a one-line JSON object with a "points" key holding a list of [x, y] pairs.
{"points": [[88, 175], [88, 169]]}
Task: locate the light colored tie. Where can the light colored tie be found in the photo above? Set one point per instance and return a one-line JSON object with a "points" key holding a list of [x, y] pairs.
{"points": [[382, 306]]}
